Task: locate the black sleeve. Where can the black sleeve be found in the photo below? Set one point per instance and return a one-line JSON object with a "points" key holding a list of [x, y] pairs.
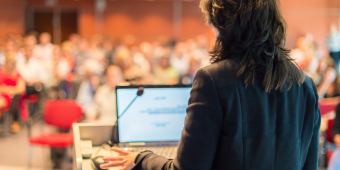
{"points": [[200, 134], [312, 155], [336, 125]]}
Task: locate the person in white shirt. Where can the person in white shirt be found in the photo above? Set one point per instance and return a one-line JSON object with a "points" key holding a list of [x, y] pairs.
{"points": [[32, 72], [87, 85], [44, 50], [10, 47], [180, 59], [103, 109]]}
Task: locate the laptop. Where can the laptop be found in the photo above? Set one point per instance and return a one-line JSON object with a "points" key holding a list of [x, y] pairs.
{"points": [[154, 120]]}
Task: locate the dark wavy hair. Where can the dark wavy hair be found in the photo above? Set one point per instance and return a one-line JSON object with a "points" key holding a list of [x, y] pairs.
{"points": [[256, 30]]}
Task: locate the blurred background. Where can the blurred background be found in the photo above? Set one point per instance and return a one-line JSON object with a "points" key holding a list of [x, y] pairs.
{"points": [[79, 50]]}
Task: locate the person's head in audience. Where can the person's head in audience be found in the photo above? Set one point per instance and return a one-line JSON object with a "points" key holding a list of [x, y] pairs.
{"points": [[194, 66], [164, 62], [191, 44], [10, 63], [66, 48], [180, 49], [202, 41], [30, 41], [93, 70], [124, 58], [145, 48], [94, 44], [27, 52], [56, 53], [83, 45], [10, 46], [107, 44], [45, 38], [114, 76], [18, 41], [75, 39]]}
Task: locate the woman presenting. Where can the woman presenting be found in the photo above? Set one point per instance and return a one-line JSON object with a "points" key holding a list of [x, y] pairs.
{"points": [[252, 108]]}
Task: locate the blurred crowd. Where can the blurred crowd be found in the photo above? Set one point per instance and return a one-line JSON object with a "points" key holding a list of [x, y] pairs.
{"points": [[33, 70], [321, 61], [88, 70]]}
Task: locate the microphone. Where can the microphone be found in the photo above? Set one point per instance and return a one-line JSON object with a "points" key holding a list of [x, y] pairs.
{"points": [[140, 92]]}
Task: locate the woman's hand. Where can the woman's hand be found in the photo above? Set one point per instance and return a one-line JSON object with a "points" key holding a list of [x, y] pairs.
{"points": [[126, 160]]}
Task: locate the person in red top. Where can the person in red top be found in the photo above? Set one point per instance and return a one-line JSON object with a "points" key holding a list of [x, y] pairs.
{"points": [[11, 83]]}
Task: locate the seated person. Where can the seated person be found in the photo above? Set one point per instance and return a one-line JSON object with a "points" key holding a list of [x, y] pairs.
{"points": [[84, 87], [63, 65], [31, 71], [81, 55], [124, 60], [10, 47], [11, 83], [103, 108], [189, 78], [165, 73], [179, 59], [44, 50]]}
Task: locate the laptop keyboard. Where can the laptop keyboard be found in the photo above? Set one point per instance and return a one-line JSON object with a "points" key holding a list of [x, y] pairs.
{"points": [[166, 151]]}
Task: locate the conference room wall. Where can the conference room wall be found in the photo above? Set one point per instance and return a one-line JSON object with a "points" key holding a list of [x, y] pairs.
{"points": [[148, 20], [309, 16], [11, 17]]}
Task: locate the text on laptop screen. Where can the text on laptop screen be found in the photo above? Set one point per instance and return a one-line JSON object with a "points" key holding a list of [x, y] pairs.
{"points": [[157, 115]]}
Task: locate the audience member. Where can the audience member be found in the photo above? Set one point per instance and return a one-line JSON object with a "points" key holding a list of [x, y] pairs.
{"points": [[179, 59], [165, 73], [10, 47], [11, 83], [64, 61], [193, 68], [333, 42], [124, 60], [109, 51], [81, 56], [30, 41], [103, 109], [75, 39], [84, 87], [141, 57], [32, 72], [97, 53], [44, 50]]}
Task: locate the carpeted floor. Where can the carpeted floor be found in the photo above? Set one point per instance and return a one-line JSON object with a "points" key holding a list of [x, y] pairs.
{"points": [[14, 151]]}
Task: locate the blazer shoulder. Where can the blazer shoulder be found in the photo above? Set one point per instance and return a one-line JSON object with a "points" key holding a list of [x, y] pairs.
{"points": [[223, 73], [308, 83]]}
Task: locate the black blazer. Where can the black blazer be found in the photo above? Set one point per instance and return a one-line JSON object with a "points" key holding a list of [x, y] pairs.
{"points": [[230, 126]]}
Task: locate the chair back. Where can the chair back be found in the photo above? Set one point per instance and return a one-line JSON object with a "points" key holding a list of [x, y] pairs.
{"points": [[329, 136], [325, 108], [62, 113]]}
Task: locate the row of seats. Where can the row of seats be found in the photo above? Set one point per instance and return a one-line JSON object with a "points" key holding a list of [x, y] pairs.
{"points": [[62, 113], [327, 135]]}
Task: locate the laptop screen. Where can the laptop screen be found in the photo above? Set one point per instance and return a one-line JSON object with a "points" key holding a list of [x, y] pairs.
{"points": [[158, 115]]}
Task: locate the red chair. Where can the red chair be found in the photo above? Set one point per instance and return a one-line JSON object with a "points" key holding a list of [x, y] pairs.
{"points": [[62, 114], [326, 107], [329, 137]]}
